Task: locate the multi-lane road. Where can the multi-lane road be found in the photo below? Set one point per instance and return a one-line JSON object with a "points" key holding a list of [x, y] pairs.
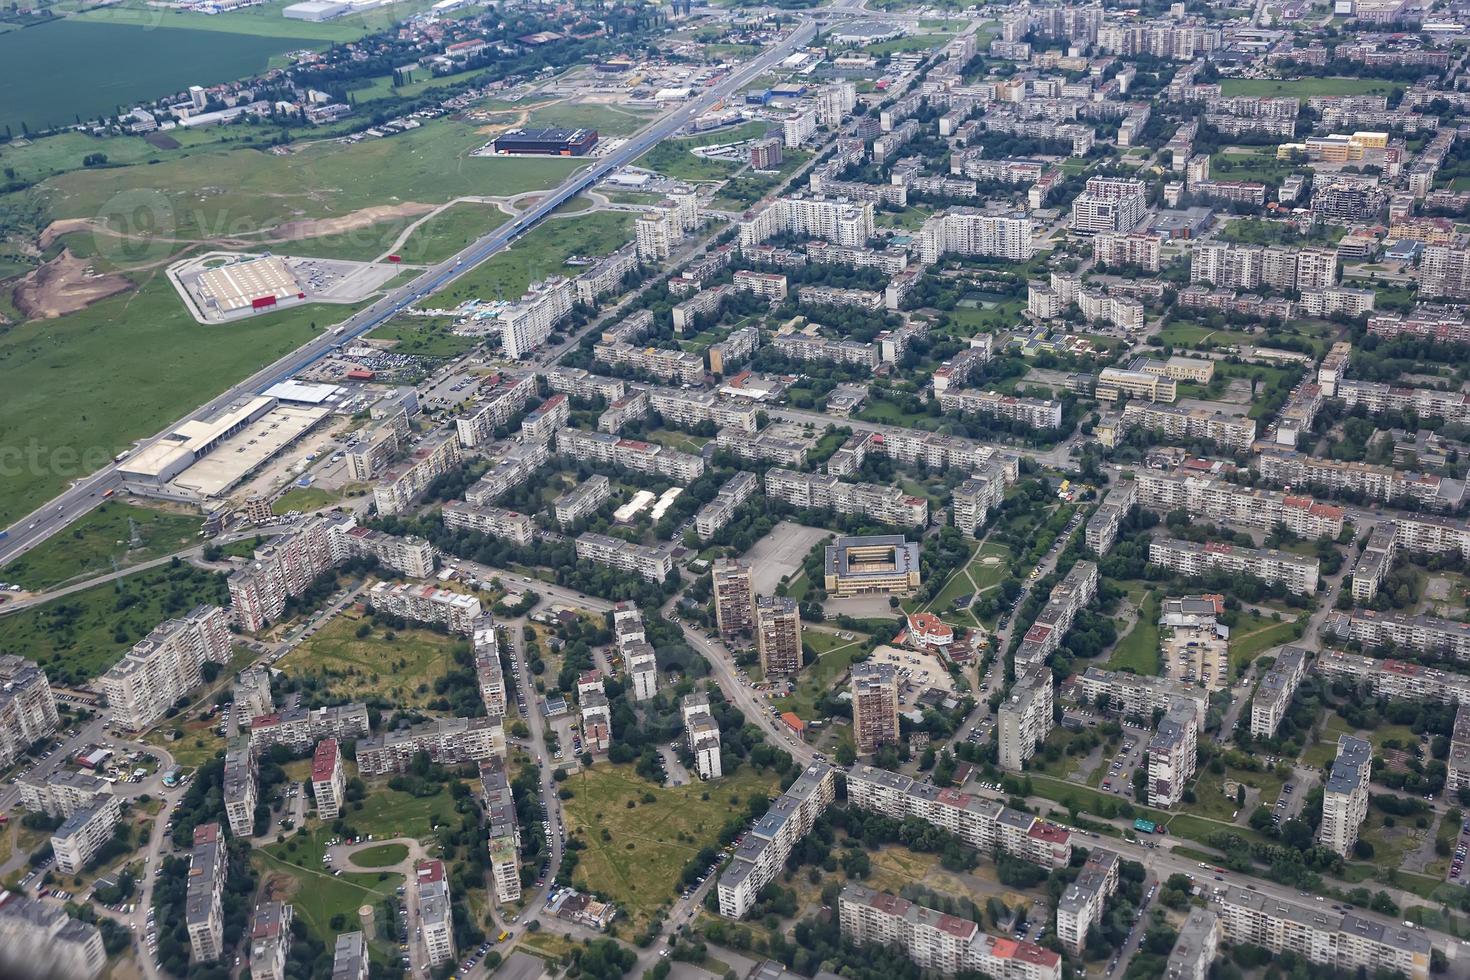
{"points": [[87, 491]]}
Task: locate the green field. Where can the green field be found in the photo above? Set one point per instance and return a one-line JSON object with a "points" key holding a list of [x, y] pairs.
{"points": [[834, 656], [1260, 166], [450, 230], [539, 254], [672, 157], [380, 856], [55, 72], [101, 541], [424, 337], [81, 388], [402, 668], [303, 499], [607, 120], [917, 42], [79, 636], [245, 193], [1139, 650], [319, 895], [1305, 88], [1179, 333], [388, 813], [263, 21], [639, 861], [1253, 636]]}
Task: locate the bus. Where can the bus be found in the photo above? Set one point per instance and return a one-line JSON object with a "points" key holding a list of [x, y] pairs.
{"points": [[1144, 826]]}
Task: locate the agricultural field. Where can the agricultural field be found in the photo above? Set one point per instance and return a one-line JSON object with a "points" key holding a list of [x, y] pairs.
{"points": [[79, 636], [541, 253], [114, 536], [636, 851], [400, 665]]}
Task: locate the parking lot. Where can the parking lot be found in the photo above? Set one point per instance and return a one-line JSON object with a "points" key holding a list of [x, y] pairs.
{"points": [[1457, 864], [1119, 776]]}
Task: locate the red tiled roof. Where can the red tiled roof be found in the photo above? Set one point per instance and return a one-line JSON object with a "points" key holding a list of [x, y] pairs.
{"points": [[324, 761]]}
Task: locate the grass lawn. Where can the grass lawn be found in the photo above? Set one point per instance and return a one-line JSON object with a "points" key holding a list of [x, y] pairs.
{"points": [[914, 42], [1139, 650], [424, 336], [317, 895], [672, 158], [402, 669], [101, 541], [380, 856], [607, 120], [1254, 635], [198, 744], [1260, 166], [1305, 88], [451, 230], [304, 499], [1210, 800], [1184, 334], [541, 253], [911, 218], [817, 679], [389, 813], [635, 854], [79, 636]]}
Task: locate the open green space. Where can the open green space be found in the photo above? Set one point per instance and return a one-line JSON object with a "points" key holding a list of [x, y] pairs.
{"points": [[317, 895], [114, 536], [53, 73], [914, 42], [424, 336], [304, 499], [262, 21], [1210, 798], [1254, 635], [400, 665], [834, 657], [80, 389], [389, 813], [380, 856], [1305, 88], [541, 253], [606, 119], [1139, 650], [911, 218], [191, 743], [1181, 333], [1260, 166], [240, 192], [635, 851], [451, 230], [80, 635], [672, 157]]}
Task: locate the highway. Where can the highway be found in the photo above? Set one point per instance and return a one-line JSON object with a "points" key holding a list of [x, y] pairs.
{"points": [[86, 492]]}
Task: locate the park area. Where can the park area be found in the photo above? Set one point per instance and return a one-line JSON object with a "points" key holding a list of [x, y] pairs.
{"points": [[353, 659], [112, 537], [636, 850]]}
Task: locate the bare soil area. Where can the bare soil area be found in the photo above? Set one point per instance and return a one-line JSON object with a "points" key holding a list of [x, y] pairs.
{"points": [[65, 285], [365, 218]]}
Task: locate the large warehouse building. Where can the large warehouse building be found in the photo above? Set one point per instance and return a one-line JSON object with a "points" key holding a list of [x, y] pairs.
{"points": [[554, 142]]}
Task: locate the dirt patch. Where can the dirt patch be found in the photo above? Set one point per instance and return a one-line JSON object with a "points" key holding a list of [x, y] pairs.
{"points": [[66, 226], [317, 227], [65, 285], [162, 140]]}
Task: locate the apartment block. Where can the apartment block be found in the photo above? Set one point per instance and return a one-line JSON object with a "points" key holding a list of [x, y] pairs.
{"points": [[1132, 248], [713, 516], [1347, 941], [1457, 775], [1220, 500], [1452, 406], [979, 823], [240, 779], [678, 366], [1072, 593], [652, 563], [778, 635], [1275, 689], [63, 793], [328, 783], [1337, 301], [1102, 526], [937, 941], [455, 611], [814, 347], [410, 556], [1039, 413], [1195, 948], [769, 446], [525, 326], [1297, 573], [501, 398], [251, 692], [883, 564], [436, 918], [702, 306], [734, 597], [404, 483], [762, 855], [1430, 634], [517, 465], [82, 834], [642, 672], [446, 740], [596, 718], [1109, 205], [1345, 794], [503, 829], [1378, 482], [350, 957], [543, 421], [27, 706], [581, 501], [1231, 432], [301, 728], [689, 408], [164, 666], [1081, 905], [32, 931], [493, 522], [630, 454], [1025, 716], [837, 221], [1180, 368], [583, 384], [1394, 679], [970, 231], [702, 733], [208, 864], [975, 498], [1132, 694], [813, 491], [371, 455], [270, 940], [874, 706], [1172, 753]]}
